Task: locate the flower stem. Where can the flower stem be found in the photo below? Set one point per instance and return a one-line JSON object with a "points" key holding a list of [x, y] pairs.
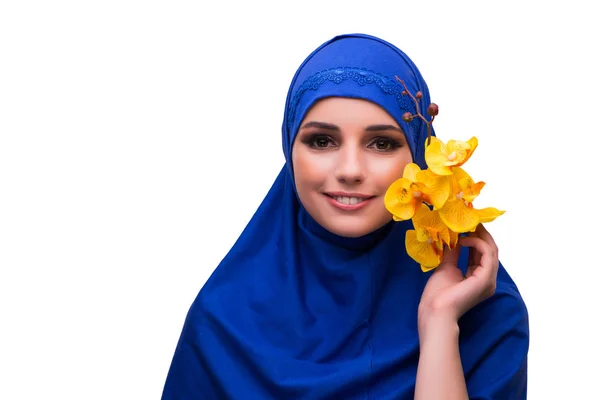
{"points": [[418, 114]]}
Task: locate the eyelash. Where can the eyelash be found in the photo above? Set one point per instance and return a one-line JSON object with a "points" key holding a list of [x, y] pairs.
{"points": [[310, 140]]}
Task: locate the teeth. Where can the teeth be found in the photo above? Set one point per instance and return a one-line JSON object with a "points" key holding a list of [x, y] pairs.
{"points": [[348, 200]]}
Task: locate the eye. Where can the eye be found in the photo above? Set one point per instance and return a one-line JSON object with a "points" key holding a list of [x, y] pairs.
{"points": [[318, 141], [385, 144], [321, 141]]}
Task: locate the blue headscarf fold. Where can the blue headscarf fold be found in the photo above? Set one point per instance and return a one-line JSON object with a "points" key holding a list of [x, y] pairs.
{"points": [[296, 312], [364, 67]]}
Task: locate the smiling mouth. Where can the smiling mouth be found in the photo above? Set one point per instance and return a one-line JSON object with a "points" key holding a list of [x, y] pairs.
{"points": [[348, 200]]}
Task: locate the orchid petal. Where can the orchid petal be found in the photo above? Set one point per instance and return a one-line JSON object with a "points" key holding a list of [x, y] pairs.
{"points": [[436, 157], [400, 201], [422, 252], [458, 216], [468, 187], [410, 172], [453, 239], [422, 234], [473, 143], [435, 188], [489, 214], [427, 218]]}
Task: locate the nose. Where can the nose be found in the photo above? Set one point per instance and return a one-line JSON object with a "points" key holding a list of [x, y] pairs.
{"points": [[350, 168]]}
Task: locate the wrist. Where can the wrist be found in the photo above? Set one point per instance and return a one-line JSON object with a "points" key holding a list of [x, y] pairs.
{"points": [[437, 324]]}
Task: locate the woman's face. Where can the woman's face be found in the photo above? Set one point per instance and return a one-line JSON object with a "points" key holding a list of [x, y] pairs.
{"points": [[346, 154]]}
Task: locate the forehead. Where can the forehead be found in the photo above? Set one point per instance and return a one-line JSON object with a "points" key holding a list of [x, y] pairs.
{"points": [[348, 111]]}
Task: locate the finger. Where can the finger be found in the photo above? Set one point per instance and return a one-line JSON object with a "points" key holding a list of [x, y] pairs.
{"points": [[450, 258], [483, 233], [470, 268], [474, 257], [482, 277], [485, 253], [481, 281], [470, 263], [475, 289], [470, 259], [474, 261]]}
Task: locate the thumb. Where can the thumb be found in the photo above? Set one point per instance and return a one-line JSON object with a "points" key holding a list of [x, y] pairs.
{"points": [[450, 258]]}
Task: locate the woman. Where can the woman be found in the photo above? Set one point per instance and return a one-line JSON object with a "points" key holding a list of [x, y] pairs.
{"points": [[318, 299]]}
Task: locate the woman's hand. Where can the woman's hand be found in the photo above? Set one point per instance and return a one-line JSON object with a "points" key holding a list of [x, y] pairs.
{"points": [[448, 294]]}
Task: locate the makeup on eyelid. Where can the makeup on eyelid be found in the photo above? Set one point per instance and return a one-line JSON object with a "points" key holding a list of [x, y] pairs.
{"points": [[311, 140]]}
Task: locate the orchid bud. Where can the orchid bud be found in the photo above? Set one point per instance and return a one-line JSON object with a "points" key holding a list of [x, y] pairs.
{"points": [[404, 93], [433, 109], [407, 117], [419, 95]]}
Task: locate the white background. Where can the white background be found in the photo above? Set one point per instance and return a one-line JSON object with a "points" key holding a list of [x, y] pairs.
{"points": [[138, 137]]}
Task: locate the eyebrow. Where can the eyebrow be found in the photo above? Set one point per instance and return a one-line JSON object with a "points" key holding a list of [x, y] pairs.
{"points": [[379, 128], [331, 127], [321, 125]]}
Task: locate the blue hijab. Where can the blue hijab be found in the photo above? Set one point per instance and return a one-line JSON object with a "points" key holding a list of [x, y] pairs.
{"points": [[296, 312]]}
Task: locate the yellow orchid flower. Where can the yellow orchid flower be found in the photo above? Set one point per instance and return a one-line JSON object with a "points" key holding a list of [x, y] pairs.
{"points": [[431, 218], [405, 195], [443, 185], [435, 188], [402, 198], [458, 212], [442, 157], [425, 244], [466, 185]]}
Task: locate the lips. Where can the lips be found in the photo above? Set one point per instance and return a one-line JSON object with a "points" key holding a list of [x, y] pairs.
{"points": [[348, 201]]}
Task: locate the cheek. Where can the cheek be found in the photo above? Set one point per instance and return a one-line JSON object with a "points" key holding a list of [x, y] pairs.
{"points": [[309, 170], [389, 169]]}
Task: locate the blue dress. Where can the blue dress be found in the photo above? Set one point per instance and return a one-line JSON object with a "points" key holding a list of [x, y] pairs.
{"points": [[296, 312]]}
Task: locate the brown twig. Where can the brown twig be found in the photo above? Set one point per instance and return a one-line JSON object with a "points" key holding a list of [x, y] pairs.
{"points": [[432, 110]]}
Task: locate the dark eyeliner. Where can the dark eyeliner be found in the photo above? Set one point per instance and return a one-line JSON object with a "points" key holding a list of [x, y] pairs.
{"points": [[311, 139], [394, 143]]}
